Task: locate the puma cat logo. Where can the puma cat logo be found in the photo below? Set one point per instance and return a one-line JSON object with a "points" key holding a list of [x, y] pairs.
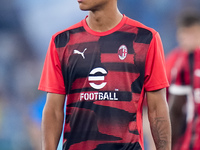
{"points": [[81, 53]]}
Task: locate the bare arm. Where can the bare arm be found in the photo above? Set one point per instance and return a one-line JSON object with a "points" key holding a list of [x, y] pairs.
{"points": [[158, 114], [178, 118], [52, 121]]}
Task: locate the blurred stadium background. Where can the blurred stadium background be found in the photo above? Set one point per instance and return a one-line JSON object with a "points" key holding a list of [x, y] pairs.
{"points": [[25, 31]]}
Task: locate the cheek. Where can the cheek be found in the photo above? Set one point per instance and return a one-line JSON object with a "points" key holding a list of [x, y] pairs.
{"points": [[185, 37], [186, 42], [198, 36]]}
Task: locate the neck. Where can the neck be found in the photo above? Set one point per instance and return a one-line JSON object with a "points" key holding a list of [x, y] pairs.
{"points": [[104, 19]]}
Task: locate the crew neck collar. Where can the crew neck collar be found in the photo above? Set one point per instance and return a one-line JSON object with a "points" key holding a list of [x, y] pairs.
{"points": [[117, 27]]}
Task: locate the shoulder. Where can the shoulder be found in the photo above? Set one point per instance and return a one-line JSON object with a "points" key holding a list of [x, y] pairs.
{"points": [[144, 34], [61, 38], [141, 26], [73, 27], [173, 53]]}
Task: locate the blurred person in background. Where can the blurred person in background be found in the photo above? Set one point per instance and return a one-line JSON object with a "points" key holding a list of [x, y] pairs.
{"points": [[104, 64], [183, 70]]}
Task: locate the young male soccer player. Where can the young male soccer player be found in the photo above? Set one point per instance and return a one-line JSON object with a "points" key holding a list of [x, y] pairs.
{"points": [[104, 64], [184, 91]]}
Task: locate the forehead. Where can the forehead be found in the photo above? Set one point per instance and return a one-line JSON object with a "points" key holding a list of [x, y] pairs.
{"points": [[192, 28]]}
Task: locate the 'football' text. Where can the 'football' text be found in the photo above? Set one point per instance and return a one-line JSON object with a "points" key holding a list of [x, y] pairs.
{"points": [[112, 96]]}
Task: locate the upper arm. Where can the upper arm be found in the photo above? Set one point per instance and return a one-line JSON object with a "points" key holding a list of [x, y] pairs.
{"points": [[156, 99], [55, 101]]}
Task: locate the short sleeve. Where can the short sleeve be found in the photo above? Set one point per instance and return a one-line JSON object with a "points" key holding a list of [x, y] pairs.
{"points": [[155, 73], [52, 79]]}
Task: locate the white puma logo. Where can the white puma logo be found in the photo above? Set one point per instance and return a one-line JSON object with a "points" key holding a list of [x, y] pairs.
{"points": [[81, 53]]}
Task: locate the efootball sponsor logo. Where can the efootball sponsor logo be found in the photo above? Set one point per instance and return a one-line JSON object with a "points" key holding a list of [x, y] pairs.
{"points": [[93, 78], [97, 81]]}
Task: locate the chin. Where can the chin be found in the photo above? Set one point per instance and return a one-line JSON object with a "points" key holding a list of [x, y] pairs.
{"points": [[83, 8]]}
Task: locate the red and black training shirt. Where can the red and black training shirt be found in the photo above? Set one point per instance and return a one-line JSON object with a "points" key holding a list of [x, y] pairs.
{"points": [[105, 76]]}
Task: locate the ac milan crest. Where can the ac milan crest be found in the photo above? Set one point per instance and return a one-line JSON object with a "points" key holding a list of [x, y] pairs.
{"points": [[122, 52]]}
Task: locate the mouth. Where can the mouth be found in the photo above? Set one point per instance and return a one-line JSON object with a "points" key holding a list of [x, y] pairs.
{"points": [[80, 1]]}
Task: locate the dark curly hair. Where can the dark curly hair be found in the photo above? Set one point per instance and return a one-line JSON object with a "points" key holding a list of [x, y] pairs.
{"points": [[188, 18]]}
